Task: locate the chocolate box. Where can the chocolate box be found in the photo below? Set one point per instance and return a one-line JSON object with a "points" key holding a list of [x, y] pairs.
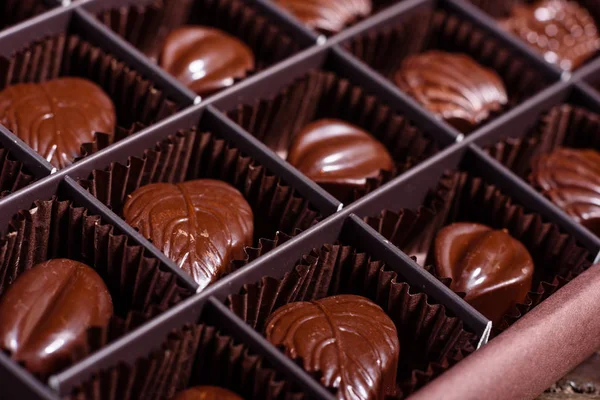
{"points": [[173, 135]]}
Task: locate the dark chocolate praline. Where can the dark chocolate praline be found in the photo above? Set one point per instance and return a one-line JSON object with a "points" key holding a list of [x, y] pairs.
{"points": [[56, 117], [348, 340], [328, 16], [205, 59], [571, 179], [338, 156], [564, 32], [46, 312], [452, 86], [202, 225], [494, 269]]}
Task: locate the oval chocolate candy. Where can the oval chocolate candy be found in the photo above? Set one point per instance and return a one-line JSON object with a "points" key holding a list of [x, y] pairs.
{"points": [[454, 87], [494, 269], [45, 313], [205, 59], [348, 340], [201, 225], [338, 156], [206, 393]]}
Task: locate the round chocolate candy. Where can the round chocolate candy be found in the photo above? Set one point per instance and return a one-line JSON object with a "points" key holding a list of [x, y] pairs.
{"points": [[571, 179], [329, 16], [561, 30], [205, 59], [206, 393], [494, 269], [338, 156], [452, 86], [56, 117], [202, 225], [46, 312], [349, 340]]}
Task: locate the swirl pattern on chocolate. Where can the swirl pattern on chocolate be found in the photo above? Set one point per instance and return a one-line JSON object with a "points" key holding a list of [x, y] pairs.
{"points": [[330, 16], [205, 59], [202, 225], [571, 179], [45, 313], [206, 393], [494, 269], [346, 338], [454, 87], [562, 31], [338, 155], [56, 117]]}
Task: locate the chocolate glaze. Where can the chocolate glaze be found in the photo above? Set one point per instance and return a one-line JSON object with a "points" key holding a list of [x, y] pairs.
{"points": [[206, 393], [562, 31], [56, 117], [571, 179], [329, 16], [205, 59], [346, 338], [454, 87], [45, 313], [490, 266], [338, 156], [202, 225]]}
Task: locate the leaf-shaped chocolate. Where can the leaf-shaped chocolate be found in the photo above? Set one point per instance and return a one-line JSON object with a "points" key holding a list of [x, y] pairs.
{"points": [[56, 117], [330, 16], [571, 179], [202, 225], [346, 338], [454, 87]]}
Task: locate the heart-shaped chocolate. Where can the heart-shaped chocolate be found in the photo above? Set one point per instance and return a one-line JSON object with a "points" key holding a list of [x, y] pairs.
{"points": [[56, 117], [202, 225], [347, 339]]}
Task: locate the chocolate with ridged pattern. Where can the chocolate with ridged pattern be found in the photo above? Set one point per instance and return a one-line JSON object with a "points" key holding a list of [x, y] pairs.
{"points": [[328, 16], [202, 225], [56, 117], [453, 86]]}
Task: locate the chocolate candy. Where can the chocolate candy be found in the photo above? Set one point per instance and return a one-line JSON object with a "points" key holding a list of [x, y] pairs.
{"points": [[562, 31], [45, 313], [454, 87], [205, 59], [338, 156], [347, 339], [329, 16], [571, 179], [490, 266], [206, 393], [56, 117], [201, 225]]}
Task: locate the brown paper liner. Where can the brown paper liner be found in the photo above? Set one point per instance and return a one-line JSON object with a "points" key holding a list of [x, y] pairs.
{"points": [[192, 356], [188, 155], [463, 197], [432, 341], [146, 27], [15, 11], [60, 229], [275, 121], [13, 174], [137, 102], [385, 49]]}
